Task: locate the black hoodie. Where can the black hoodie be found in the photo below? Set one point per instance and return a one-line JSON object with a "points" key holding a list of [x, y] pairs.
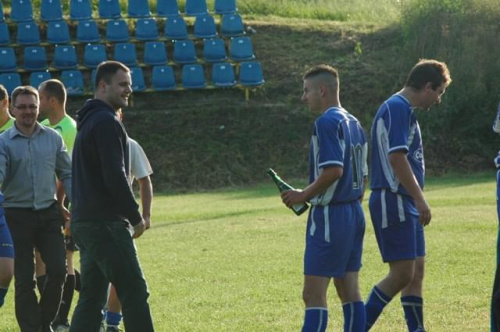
{"points": [[100, 188]]}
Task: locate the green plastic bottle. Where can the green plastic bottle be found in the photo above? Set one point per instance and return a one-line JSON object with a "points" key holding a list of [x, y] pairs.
{"points": [[298, 209]]}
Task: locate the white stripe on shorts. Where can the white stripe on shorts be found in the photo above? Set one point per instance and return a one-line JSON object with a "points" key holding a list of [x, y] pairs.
{"points": [[313, 223], [327, 223], [384, 209], [401, 210]]}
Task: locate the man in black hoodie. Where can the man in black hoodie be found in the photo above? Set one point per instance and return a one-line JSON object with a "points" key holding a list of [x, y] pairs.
{"points": [[103, 202]]}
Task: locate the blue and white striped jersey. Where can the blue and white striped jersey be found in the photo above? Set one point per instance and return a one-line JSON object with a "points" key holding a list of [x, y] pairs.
{"points": [[395, 128], [496, 129], [338, 140]]}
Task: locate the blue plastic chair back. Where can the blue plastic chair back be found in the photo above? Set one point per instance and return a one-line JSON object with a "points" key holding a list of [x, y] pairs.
{"points": [[232, 25], [251, 74], [214, 50], [7, 59], [165, 8], [37, 77], [92, 79], [138, 8], [73, 82], [223, 75], [163, 78], [4, 34], [223, 7], [117, 31], [28, 33], [241, 49], [35, 58], [109, 9], [138, 83], [10, 81], [51, 10], [87, 32], [176, 28], [196, 7], [125, 53], [184, 51], [21, 10], [65, 57], [146, 29], [204, 26], [93, 55], [80, 10], [58, 32], [155, 53], [193, 76]]}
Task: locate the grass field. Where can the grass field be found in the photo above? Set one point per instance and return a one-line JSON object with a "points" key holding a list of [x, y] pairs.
{"points": [[232, 261]]}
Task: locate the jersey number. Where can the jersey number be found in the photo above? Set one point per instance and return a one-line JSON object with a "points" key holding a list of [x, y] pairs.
{"points": [[357, 172]]}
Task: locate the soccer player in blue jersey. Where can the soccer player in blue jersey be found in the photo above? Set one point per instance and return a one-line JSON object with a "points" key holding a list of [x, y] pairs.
{"points": [[495, 300], [336, 224], [397, 204]]}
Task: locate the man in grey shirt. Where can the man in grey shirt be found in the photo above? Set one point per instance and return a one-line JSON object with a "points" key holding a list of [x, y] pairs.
{"points": [[31, 156]]}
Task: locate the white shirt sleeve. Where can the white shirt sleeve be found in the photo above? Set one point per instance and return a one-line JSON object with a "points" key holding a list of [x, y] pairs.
{"points": [[139, 163]]}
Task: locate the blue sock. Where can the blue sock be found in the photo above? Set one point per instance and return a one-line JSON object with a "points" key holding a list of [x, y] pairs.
{"points": [[354, 316], [414, 314], [3, 291], [375, 305], [113, 318], [315, 319]]}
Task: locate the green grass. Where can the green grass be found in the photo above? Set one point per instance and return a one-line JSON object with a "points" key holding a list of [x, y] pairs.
{"points": [[232, 261]]}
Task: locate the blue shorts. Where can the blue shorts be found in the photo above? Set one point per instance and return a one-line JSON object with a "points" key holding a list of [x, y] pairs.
{"points": [[6, 244], [395, 221], [334, 239]]}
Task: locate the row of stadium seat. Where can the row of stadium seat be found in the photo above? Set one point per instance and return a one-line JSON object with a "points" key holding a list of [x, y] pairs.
{"points": [[154, 53], [58, 32], [163, 78], [51, 10]]}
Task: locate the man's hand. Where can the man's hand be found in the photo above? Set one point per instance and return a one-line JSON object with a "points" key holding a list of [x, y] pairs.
{"points": [[424, 212], [147, 220], [292, 197], [139, 229]]}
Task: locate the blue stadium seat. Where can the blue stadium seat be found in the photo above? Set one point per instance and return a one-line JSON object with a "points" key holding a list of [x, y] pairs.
{"points": [[87, 32], [125, 53], [4, 34], [204, 26], [138, 83], [193, 76], [223, 7], [223, 75], [196, 7], [251, 74], [10, 81], [35, 58], [175, 28], [92, 79], [93, 55], [28, 33], [80, 10], [163, 78], [37, 77], [117, 31], [51, 10], [7, 59], [146, 29], [165, 8], [65, 57], [138, 8], [214, 50], [241, 49], [58, 32], [109, 9], [184, 51], [155, 53], [2, 16], [231, 25], [21, 10], [73, 82]]}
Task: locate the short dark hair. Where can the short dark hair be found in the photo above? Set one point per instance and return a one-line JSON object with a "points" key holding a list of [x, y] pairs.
{"points": [[54, 88], [107, 69], [321, 70], [24, 90], [428, 71], [3, 93]]}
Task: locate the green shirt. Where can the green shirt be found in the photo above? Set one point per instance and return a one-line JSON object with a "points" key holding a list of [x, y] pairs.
{"points": [[7, 125], [67, 128]]}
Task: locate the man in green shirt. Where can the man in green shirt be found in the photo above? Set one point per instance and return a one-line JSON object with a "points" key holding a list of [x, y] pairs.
{"points": [[53, 107], [6, 120]]}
